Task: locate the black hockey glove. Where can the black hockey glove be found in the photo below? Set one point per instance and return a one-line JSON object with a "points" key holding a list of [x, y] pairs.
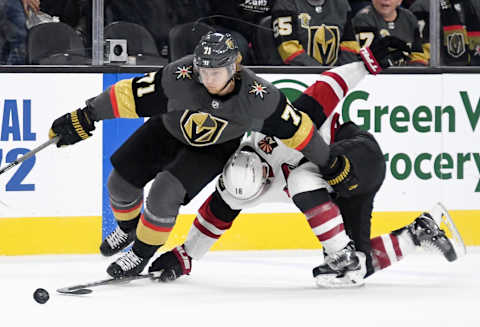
{"points": [[171, 265], [72, 127], [383, 53], [340, 175]]}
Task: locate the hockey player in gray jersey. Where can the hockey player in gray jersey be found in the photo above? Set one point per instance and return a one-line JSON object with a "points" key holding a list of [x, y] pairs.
{"points": [[200, 105], [338, 206], [385, 17]]}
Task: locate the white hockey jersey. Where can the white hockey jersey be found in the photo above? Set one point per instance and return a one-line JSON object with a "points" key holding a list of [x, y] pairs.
{"points": [[330, 88]]}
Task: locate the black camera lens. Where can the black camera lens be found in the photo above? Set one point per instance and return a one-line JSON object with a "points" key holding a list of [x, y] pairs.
{"points": [[117, 50]]}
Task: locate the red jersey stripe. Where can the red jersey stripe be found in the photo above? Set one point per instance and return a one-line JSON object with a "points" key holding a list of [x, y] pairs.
{"points": [[323, 93], [113, 100], [295, 54], [340, 81]]}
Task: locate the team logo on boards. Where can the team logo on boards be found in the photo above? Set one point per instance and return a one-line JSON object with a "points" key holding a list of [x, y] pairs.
{"points": [[201, 129]]}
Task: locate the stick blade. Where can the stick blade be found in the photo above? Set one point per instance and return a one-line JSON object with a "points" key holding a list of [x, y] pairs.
{"points": [[79, 291]]}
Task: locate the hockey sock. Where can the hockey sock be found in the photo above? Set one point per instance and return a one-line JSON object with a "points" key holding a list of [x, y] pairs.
{"points": [[390, 248], [207, 228], [324, 219], [128, 225], [144, 250]]}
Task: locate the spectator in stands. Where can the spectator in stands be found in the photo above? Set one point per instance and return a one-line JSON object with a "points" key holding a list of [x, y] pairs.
{"points": [[460, 35], [386, 17], [242, 13], [314, 32], [13, 30]]}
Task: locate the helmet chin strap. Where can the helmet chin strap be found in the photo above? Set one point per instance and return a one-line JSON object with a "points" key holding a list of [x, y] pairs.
{"points": [[226, 84]]}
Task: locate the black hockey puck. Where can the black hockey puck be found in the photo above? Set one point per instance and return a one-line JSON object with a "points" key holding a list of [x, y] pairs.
{"points": [[41, 295]]}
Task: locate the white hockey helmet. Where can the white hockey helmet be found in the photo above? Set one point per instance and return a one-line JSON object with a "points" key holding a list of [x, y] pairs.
{"points": [[245, 175]]}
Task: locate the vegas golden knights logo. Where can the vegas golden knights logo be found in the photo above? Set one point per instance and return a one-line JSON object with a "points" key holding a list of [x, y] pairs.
{"points": [[324, 43], [456, 44], [201, 129]]}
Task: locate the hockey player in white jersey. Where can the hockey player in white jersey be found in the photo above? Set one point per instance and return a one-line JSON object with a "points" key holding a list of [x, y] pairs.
{"points": [[337, 200]]}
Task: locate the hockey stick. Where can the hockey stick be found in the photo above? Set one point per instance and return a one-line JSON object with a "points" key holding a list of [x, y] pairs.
{"points": [[29, 154], [82, 289]]}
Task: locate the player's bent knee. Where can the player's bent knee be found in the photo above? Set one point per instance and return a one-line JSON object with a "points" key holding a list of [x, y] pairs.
{"points": [[122, 191], [166, 195], [305, 178]]}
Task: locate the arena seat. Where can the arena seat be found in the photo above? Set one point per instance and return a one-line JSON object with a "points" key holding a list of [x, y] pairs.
{"points": [[55, 44], [183, 38], [140, 43]]}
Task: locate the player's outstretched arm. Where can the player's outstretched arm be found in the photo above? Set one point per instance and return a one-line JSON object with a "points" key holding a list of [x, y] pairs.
{"points": [[72, 127], [383, 53]]}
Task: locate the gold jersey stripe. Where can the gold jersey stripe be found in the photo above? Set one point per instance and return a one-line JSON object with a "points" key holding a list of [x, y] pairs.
{"points": [[419, 57], [426, 49], [473, 40], [351, 46], [125, 101], [288, 48], [302, 133]]}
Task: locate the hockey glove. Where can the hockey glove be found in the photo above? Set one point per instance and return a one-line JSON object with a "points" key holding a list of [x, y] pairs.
{"points": [[340, 175], [72, 127], [171, 265], [383, 53]]}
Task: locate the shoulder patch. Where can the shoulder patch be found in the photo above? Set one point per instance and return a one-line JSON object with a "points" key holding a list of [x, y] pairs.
{"points": [[258, 89], [267, 144], [184, 72]]}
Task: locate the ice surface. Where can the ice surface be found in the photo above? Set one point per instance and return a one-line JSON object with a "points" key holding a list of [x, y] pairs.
{"points": [[244, 288]]}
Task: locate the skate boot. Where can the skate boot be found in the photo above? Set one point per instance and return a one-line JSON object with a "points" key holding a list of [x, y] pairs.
{"points": [[127, 265], [426, 233], [116, 241], [342, 269]]}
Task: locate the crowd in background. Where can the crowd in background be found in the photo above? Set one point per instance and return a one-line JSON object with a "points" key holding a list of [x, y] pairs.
{"points": [[269, 32]]}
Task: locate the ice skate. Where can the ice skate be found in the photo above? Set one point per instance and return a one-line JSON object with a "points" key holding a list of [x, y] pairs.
{"points": [[425, 232], [127, 265], [343, 269], [443, 219], [116, 241]]}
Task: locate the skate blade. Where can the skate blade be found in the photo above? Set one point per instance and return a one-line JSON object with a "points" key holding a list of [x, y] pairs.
{"points": [[443, 219], [337, 283], [332, 281]]}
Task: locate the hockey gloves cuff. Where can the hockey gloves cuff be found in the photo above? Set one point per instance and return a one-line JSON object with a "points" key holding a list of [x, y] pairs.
{"points": [[171, 265], [383, 53], [72, 127], [340, 175]]}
